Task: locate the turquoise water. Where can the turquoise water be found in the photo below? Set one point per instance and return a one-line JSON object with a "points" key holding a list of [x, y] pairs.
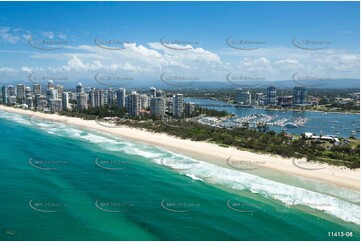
{"points": [[339, 124], [64, 183]]}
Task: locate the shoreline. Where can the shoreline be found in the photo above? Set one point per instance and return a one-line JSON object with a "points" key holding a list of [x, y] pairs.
{"points": [[211, 153]]}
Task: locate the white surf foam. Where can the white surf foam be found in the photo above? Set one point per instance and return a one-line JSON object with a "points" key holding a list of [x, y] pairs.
{"points": [[289, 195]]}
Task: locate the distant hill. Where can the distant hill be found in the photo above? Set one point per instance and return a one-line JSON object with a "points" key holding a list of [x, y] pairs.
{"points": [[329, 84]]}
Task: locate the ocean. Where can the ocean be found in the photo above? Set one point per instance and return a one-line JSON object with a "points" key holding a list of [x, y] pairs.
{"points": [[60, 182]]}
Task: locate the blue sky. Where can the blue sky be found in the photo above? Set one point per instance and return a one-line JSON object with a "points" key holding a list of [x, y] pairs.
{"points": [[205, 27]]}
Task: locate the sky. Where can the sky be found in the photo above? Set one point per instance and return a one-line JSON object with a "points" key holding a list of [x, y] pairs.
{"points": [[204, 41]]}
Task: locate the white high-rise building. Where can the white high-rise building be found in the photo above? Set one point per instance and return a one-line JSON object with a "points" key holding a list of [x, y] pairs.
{"points": [[55, 105], [144, 101], [178, 101], [54, 94], [82, 101], [110, 97], [157, 106], [134, 104], [99, 98], [20, 91]]}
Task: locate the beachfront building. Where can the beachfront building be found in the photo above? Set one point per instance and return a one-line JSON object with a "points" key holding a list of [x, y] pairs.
{"points": [[11, 90], [28, 92], [55, 105], [157, 107], [37, 89], [121, 97], [92, 96], [271, 95], [178, 101], [12, 100], [54, 94], [20, 91], [169, 106], [30, 102], [65, 100], [110, 97], [144, 101], [82, 101], [299, 95], [133, 106], [4, 94], [99, 98], [40, 101], [60, 89]]}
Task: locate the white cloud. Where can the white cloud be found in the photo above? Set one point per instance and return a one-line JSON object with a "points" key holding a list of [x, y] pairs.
{"points": [[149, 61], [48, 34], [6, 36], [62, 36]]}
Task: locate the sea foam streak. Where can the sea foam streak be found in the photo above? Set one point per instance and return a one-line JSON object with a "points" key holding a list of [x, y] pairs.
{"points": [[289, 195]]}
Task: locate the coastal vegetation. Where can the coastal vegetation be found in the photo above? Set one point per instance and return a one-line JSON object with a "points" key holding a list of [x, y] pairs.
{"points": [[258, 139]]}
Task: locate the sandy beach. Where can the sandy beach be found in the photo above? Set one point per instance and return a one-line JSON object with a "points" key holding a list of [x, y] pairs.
{"points": [[213, 153]]}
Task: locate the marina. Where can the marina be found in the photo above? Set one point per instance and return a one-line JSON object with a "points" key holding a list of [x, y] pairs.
{"points": [[293, 122]]}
